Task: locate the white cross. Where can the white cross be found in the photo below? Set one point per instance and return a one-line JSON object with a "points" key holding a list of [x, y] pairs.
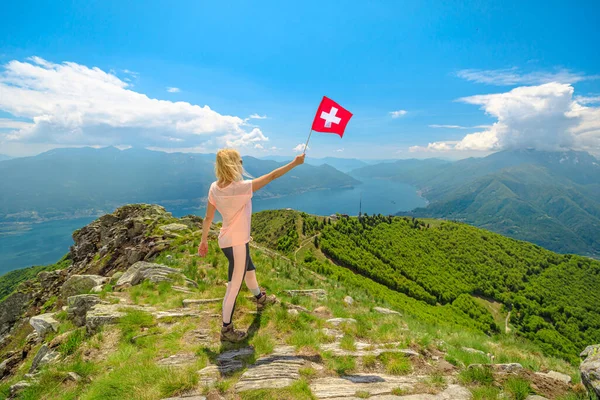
{"points": [[330, 117]]}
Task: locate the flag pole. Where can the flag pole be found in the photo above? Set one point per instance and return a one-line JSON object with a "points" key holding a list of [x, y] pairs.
{"points": [[306, 145]]}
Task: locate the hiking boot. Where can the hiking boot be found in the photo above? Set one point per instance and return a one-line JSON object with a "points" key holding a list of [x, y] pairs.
{"points": [[228, 334], [264, 300]]}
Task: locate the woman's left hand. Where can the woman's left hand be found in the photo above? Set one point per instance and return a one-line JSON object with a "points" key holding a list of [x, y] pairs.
{"points": [[203, 249]]}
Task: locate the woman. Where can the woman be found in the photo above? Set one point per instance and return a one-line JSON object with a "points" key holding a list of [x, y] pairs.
{"points": [[231, 196]]}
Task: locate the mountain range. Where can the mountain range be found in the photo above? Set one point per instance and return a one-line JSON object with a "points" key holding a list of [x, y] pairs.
{"points": [[548, 198], [63, 182]]}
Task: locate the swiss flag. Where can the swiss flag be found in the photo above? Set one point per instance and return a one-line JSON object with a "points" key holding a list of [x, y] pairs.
{"points": [[331, 117]]}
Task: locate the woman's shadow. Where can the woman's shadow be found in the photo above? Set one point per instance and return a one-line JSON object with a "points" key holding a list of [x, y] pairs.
{"points": [[231, 357]]}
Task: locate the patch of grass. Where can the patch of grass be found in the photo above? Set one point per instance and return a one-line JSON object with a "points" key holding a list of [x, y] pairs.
{"points": [[480, 375], [398, 391], [396, 363], [72, 343], [485, 393], [179, 381], [369, 362], [518, 388], [307, 373], [299, 390], [304, 339], [347, 343], [361, 394], [263, 344], [341, 365], [133, 321]]}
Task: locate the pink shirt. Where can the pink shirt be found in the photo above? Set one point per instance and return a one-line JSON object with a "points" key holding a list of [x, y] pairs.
{"points": [[234, 204]]}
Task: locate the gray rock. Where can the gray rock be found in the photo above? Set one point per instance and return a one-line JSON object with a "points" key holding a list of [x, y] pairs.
{"points": [[470, 350], [102, 314], [339, 321], [142, 271], [345, 387], [178, 360], [348, 300], [367, 349], [556, 376], [47, 279], [191, 302], [275, 371], [81, 284], [18, 387], [43, 357], [386, 311], [11, 309], [535, 397], [73, 376], [293, 311], [44, 323], [174, 227], [590, 371], [79, 305], [318, 293], [589, 350], [296, 307]]}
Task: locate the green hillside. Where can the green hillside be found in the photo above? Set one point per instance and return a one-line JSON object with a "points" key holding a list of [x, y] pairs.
{"points": [[554, 299], [160, 340], [548, 198]]}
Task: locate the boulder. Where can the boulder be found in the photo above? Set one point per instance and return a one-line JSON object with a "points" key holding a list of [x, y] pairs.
{"points": [[590, 370], [589, 350], [339, 321], [556, 376], [44, 323], [47, 279], [174, 227], [44, 356], [73, 376], [348, 300], [278, 370], [78, 306], [11, 309], [386, 311], [80, 284], [141, 271], [18, 387], [102, 314]]}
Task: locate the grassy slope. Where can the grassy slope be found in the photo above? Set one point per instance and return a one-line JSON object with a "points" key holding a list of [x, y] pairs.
{"points": [[114, 366]]}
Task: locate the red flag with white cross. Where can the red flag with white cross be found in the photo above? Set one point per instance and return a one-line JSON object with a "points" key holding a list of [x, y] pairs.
{"points": [[331, 117]]}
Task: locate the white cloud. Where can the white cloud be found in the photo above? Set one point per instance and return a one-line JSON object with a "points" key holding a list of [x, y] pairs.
{"points": [[544, 117], [71, 104], [256, 116], [300, 148], [253, 138], [398, 114], [173, 90], [6, 123], [340, 150], [587, 99], [513, 76]]}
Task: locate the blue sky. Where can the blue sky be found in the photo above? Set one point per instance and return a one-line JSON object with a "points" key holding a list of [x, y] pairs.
{"points": [[277, 59]]}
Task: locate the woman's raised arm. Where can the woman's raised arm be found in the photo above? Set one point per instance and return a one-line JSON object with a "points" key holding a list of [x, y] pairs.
{"points": [[258, 183]]}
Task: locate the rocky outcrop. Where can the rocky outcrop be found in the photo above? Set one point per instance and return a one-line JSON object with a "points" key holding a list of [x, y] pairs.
{"points": [[141, 271], [44, 323], [590, 370], [278, 370], [12, 359], [81, 284], [556, 376], [11, 310], [44, 356], [500, 368], [78, 306], [316, 293], [382, 310]]}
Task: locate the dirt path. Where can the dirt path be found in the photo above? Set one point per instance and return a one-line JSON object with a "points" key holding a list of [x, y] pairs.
{"points": [[304, 243]]}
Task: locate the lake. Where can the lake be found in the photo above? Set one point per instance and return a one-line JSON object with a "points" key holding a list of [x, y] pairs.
{"points": [[47, 242]]}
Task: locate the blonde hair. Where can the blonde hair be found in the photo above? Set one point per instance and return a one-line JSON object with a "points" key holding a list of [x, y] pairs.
{"points": [[228, 167]]}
